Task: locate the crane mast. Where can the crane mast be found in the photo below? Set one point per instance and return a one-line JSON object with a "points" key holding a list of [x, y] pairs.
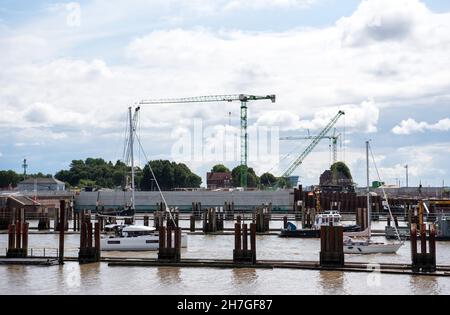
{"points": [[312, 146], [244, 99]]}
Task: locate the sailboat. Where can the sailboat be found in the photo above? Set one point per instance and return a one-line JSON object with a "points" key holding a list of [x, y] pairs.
{"points": [[133, 237], [366, 246]]}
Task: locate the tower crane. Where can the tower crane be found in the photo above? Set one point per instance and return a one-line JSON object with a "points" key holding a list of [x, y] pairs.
{"points": [[244, 99], [312, 146], [334, 140]]}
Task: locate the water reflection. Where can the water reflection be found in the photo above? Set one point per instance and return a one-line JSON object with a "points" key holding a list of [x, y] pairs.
{"points": [[425, 285], [332, 283], [244, 276], [169, 276]]}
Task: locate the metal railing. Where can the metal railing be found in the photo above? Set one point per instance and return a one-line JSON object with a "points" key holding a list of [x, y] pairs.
{"points": [[37, 252]]}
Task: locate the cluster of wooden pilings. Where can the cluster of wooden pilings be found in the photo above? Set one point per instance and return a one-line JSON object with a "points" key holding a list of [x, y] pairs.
{"points": [[261, 217], [44, 221], [229, 210], [58, 223], [158, 219], [347, 202], [18, 238], [332, 246], [90, 251], [213, 220], [173, 219], [243, 253], [169, 244], [425, 261], [197, 210]]}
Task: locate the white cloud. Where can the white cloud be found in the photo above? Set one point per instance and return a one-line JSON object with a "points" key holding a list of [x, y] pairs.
{"points": [[383, 20], [388, 53], [411, 126], [261, 4], [363, 117]]}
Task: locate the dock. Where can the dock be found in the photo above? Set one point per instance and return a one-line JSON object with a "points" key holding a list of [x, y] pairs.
{"points": [[46, 262]]}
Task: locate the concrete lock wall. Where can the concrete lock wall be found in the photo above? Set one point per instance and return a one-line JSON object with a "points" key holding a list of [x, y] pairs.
{"points": [[147, 201]]}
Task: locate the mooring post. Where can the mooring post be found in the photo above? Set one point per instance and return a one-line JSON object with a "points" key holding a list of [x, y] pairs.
{"points": [[432, 248], [192, 226], [423, 239], [253, 242], [11, 238], [18, 234], [25, 227], [245, 237], [414, 256], [237, 238], [332, 246], [62, 216], [97, 241], [89, 235]]}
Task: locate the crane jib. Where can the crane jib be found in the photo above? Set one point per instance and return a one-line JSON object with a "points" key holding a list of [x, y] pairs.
{"points": [[312, 146]]}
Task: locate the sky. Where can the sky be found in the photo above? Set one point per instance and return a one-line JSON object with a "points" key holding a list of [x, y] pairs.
{"points": [[70, 70]]}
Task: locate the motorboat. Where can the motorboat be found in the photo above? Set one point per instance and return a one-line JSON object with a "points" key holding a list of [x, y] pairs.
{"points": [[323, 219]]}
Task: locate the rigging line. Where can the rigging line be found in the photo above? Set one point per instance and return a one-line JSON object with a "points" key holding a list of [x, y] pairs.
{"points": [[125, 147], [156, 181], [385, 195]]}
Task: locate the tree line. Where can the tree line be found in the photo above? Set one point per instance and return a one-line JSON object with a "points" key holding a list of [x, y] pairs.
{"points": [[10, 179], [98, 173]]}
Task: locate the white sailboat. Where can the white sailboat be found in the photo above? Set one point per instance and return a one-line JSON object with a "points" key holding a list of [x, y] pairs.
{"points": [[134, 237], [367, 246]]}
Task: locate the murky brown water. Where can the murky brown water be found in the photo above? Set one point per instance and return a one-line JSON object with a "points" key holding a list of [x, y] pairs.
{"points": [[101, 279]]}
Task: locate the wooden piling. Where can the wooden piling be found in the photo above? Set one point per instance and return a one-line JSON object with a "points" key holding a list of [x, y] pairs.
{"points": [[192, 225], [332, 246], [62, 216], [242, 254]]}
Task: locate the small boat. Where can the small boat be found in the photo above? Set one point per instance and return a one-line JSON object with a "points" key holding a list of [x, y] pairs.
{"points": [[133, 238], [323, 219]]}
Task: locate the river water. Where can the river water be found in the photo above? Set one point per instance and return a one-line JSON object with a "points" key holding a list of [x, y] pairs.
{"points": [[101, 279]]}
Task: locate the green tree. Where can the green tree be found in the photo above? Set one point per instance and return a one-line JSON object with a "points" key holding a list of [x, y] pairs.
{"points": [[268, 180], [9, 178], [169, 176], [341, 167], [220, 168], [252, 178]]}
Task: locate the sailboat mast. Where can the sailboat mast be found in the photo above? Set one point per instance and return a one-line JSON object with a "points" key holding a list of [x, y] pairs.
{"points": [[132, 159], [369, 212]]}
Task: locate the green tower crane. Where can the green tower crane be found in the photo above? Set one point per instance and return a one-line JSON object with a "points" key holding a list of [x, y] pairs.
{"points": [[312, 146], [243, 99]]}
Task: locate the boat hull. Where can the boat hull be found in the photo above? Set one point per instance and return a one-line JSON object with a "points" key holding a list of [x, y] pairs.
{"points": [[372, 249], [135, 244]]}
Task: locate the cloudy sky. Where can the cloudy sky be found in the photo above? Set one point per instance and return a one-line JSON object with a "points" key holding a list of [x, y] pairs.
{"points": [[70, 71]]}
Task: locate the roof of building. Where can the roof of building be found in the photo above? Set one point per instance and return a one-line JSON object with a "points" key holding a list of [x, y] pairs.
{"points": [[219, 176], [42, 181], [23, 200]]}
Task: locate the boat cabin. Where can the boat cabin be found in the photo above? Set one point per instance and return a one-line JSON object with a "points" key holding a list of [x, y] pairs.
{"points": [[326, 218]]}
